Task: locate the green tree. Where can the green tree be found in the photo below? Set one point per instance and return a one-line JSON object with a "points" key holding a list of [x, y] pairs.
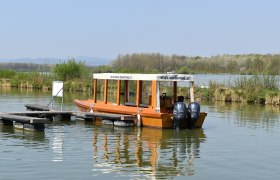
{"points": [[274, 66], [70, 70], [232, 66]]}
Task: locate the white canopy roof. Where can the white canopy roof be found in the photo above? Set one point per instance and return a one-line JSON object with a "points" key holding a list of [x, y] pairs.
{"points": [[144, 77]]}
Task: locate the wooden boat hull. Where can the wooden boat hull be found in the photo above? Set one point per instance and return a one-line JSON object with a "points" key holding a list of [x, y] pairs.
{"points": [[149, 117]]}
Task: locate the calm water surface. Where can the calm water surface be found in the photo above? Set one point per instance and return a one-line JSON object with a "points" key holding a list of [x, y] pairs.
{"points": [[237, 141]]}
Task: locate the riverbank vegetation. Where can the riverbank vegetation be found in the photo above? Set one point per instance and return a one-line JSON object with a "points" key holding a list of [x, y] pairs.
{"points": [[232, 64], [77, 76], [261, 89]]}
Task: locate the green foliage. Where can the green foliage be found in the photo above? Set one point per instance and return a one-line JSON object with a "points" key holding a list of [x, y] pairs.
{"points": [[19, 78], [235, 64], [232, 66], [269, 82], [204, 93], [274, 66], [143, 63], [38, 80], [101, 69], [7, 74], [255, 96], [256, 88], [25, 67], [70, 70], [184, 70], [32, 79]]}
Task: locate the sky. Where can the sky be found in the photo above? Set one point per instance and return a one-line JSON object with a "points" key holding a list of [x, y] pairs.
{"points": [[109, 28]]}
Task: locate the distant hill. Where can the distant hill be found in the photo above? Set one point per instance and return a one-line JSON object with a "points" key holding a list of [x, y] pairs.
{"points": [[89, 61]]}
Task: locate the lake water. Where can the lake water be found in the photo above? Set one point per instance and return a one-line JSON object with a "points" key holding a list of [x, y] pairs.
{"points": [[204, 79], [237, 142]]}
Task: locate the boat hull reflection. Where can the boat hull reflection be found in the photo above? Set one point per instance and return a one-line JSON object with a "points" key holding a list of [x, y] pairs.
{"points": [[152, 152]]}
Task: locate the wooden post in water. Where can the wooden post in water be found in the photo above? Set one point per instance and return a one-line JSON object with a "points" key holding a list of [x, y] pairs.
{"points": [[94, 90], [138, 93], [105, 90], [154, 92], [118, 92], [192, 91], [126, 93], [174, 91]]}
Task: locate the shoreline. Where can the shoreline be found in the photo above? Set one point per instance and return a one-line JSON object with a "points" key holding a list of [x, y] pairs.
{"points": [[223, 94]]}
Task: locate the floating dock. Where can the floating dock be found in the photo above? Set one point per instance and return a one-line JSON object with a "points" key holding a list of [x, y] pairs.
{"points": [[25, 122], [37, 116]]}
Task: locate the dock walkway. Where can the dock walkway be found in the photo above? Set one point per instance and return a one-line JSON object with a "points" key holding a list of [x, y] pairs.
{"points": [[37, 116]]}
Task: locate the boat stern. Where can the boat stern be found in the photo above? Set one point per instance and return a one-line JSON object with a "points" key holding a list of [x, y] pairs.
{"points": [[200, 120], [84, 105]]}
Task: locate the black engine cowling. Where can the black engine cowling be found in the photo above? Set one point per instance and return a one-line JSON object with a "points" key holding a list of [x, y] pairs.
{"points": [[180, 115], [194, 109], [185, 117]]}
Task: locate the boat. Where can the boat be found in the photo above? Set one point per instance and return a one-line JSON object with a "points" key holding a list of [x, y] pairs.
{"points": [[153, 99]]}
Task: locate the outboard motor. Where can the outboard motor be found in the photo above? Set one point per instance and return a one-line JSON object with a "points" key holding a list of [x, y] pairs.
{"points": [[180, 114], [194, 109]]}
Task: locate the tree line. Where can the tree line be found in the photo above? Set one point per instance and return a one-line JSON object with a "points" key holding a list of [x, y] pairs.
{"points": [[25, 67], [159, 63], [234, 64]]}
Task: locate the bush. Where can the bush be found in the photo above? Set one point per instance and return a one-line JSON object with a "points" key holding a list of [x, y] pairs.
{"points": [[256, 88], [70, 70], [7, 74], [269, 82]]}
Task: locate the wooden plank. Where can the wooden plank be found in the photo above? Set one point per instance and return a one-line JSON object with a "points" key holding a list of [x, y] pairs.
{"points": [[113, 116], [107, 116], [37, 107], [42, 113], [23, 119]]}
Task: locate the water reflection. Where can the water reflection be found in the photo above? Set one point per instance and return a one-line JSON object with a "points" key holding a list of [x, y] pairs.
{"points": [[247, 115], [57, 143], [31, 136], [146, 151]]}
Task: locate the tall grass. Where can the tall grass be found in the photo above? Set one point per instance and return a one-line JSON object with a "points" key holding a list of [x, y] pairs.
{"points": [[269, 82], [34, 80], [74, 74], [257, 87], [7, 74]]}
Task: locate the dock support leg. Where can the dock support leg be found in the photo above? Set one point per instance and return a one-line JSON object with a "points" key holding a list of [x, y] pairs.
{"points": [[7, 122], [30, 127], [34, 127]]}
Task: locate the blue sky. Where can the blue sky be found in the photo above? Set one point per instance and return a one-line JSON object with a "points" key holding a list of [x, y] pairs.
{"points": [[108, 28]]}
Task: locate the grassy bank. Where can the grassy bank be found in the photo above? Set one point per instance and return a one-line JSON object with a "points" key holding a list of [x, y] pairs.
{"points": [[75, 76], [77, 85], [260, 89]]}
